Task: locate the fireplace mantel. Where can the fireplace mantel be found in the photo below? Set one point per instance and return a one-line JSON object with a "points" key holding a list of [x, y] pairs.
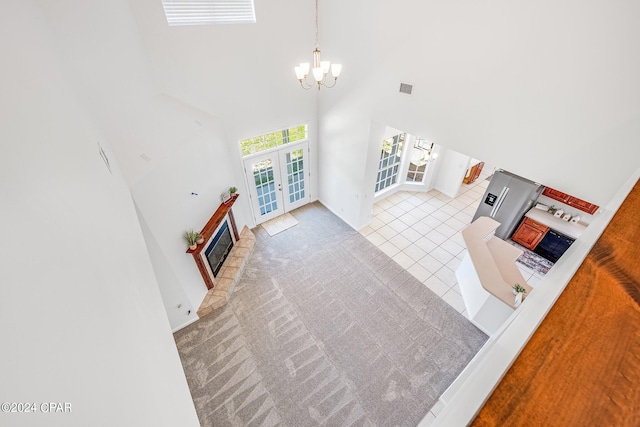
{"points": [[224, 210]]}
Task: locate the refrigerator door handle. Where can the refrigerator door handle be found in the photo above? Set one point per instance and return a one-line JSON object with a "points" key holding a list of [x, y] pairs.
{"points": [[501, 197]]}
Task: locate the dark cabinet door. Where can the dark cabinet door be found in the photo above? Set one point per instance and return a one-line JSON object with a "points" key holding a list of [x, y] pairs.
{"points": [[553, 245]]}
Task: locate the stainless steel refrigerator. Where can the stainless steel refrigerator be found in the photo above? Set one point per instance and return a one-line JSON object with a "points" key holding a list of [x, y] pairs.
{"points": [[507, 199]]}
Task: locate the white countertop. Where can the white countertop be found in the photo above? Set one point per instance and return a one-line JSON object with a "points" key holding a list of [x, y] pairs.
{"points": [[494, 260], [565, 227]]}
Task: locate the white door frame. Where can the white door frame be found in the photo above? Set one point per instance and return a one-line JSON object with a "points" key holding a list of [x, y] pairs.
{"points": [[279, 191]]}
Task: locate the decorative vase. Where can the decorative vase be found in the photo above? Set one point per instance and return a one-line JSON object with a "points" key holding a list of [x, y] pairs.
{"points": [[200, 240], [518, 300]]}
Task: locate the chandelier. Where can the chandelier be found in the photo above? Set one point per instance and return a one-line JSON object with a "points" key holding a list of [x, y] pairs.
{"points": [[320, 68]]}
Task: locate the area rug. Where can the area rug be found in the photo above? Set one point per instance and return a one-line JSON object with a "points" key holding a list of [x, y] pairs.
{"points": [[534, 261], [279, 224], [324, 329]]}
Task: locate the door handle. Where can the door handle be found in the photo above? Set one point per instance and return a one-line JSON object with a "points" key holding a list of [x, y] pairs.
{"points": [[498, 204]]}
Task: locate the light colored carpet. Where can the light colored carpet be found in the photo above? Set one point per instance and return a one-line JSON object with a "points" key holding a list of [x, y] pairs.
{"points": [[324, 329], [279, 224]]}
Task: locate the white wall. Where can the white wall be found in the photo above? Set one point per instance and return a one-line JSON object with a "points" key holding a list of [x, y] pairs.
{"points": [[180, 311], [165, 200], [241, 74], [453, 167], [431, 176], [81, 317], [347, 155], [169, 148], [536, 88]]}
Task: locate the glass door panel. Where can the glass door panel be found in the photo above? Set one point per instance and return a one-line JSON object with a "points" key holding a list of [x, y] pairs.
{"points": [[294, 172], [263, 174]]}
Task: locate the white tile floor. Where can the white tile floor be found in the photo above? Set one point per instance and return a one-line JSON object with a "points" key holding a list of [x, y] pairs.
{"points": [[421, 232]]}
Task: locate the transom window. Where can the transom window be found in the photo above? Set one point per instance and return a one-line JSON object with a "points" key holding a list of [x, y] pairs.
{"points": [[203, 12], [390, 159], [273, 140]]}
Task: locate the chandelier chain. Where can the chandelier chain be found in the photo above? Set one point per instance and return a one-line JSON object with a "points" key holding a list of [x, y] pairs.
{"points": [[316, 24]]}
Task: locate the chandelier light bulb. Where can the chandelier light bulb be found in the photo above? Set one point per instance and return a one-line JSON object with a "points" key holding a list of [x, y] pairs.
{"points": [[318, 75], [336, 69]]}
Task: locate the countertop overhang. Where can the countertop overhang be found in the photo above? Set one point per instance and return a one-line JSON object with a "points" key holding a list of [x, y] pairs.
{"points": [[565, 227], [494, 260]]}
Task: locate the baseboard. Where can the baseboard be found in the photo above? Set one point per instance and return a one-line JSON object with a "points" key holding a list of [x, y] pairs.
{"points": [[184, 325], [339, 216]]}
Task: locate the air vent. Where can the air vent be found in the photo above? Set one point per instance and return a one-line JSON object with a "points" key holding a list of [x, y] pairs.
{"points": [[406, 88], [203, 12]]}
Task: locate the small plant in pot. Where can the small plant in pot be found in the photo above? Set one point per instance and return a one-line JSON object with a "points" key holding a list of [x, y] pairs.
{"points": [[519, 292], [233, 191], [517, 289], [192, 238], [200, 239]]}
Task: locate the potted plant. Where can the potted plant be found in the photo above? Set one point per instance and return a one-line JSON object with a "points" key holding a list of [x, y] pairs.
{"points": [[517, 289], [200, 239], [192, 238], [519, 292], [233, 191]]}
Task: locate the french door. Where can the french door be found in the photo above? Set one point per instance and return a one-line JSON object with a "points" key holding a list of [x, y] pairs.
{"points": [[278, 181]]}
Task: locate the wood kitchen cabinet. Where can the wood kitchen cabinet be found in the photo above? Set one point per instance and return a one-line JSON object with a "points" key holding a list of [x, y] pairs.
{"points": [[574, 202], [584, 206], [529, 233], [556, 195]]}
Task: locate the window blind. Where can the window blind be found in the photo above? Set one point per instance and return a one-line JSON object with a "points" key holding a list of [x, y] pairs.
{"points": [[203, 12]]}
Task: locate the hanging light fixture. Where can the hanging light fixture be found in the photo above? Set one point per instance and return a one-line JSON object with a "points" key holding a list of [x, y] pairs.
{"points": [[320, 68]]}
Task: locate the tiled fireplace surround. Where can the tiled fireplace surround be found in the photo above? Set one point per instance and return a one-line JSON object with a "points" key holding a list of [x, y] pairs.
{"points": [[221, 286]]}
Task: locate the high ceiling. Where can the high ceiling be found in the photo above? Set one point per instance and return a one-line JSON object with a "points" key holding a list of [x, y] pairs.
{"points": [[557, 77]]}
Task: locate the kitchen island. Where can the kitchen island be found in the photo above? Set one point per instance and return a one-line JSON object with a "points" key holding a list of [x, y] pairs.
{"points": [[487, 275]]}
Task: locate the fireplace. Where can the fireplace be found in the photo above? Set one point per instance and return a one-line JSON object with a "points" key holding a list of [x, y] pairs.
{"points": [[220, 234], [222, 257], [219, 248]]}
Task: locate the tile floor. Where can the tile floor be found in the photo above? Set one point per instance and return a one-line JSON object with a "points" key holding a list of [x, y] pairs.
{"points": [[421, 232]]}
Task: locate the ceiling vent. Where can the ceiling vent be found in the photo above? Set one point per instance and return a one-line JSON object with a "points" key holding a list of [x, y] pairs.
{"points": [[406, 88]]}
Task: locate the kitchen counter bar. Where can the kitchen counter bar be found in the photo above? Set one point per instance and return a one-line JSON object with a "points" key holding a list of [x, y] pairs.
{"points": [[493, 260], [487, 274], [565, 227]]}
